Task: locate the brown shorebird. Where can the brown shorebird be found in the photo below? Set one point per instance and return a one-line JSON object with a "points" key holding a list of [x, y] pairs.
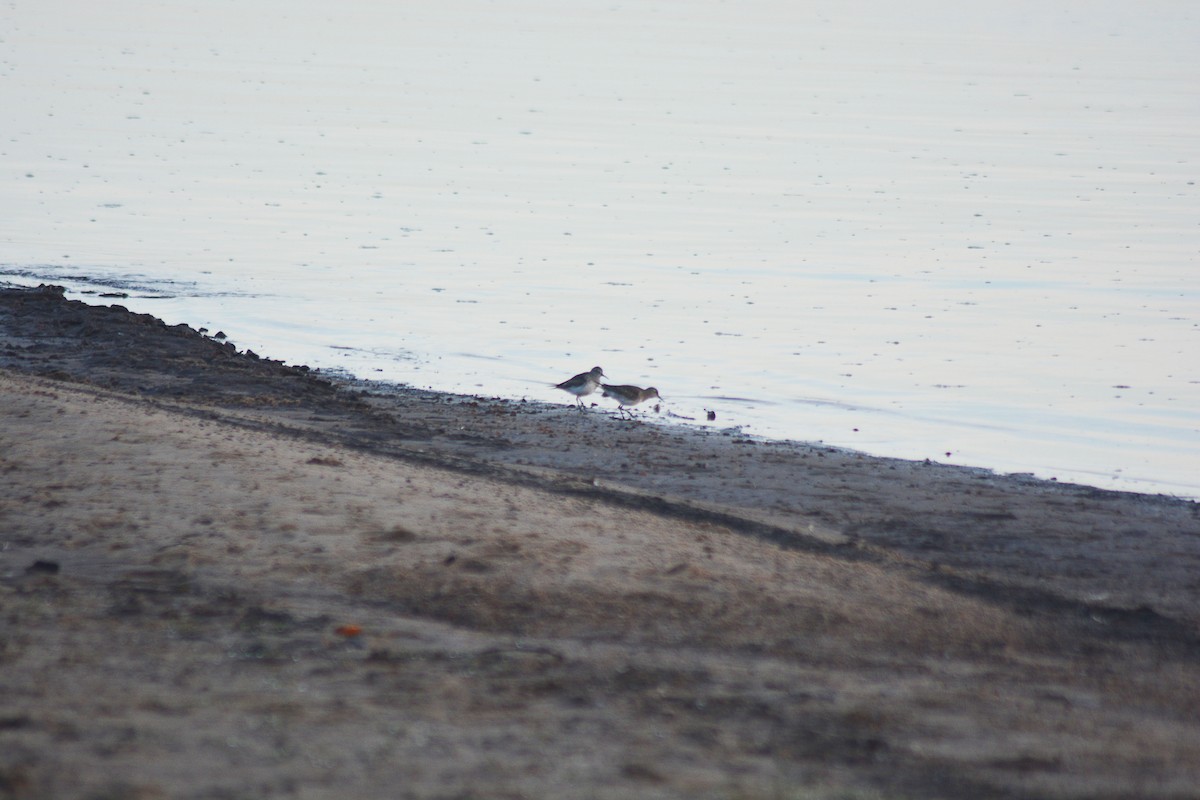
{"points": [[629, 396], [582, 384]]}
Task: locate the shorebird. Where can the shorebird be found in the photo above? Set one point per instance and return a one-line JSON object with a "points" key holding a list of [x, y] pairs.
{"points": [[582, 384], [629, 396]]}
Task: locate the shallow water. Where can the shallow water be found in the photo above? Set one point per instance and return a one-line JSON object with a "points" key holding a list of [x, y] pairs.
{"points": [[965, 234]]}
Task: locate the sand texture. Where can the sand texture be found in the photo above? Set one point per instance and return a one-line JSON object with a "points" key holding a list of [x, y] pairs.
{"points": [[222, 577]]}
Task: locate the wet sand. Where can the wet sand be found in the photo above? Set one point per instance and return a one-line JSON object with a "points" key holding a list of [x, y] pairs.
{"points": [[221, 576]]}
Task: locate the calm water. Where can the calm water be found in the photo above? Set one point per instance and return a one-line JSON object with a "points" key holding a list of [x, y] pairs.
{"points": [[912, 229]]}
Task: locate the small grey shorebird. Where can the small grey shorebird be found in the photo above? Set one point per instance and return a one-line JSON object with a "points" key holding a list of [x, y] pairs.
{"points": [[629, 396], [582, 384]]}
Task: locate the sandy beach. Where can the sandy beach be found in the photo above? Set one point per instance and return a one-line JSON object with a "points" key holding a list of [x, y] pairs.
{"points": [[222, 576]]}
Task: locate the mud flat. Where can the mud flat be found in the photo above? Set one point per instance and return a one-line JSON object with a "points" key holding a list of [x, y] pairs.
{"points": [[221, 576]]}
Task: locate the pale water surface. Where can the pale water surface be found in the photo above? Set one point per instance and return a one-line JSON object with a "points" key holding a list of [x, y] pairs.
{"points": [[960, 231]]}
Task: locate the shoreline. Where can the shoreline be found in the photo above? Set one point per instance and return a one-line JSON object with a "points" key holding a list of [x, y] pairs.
{"points": [[373, 592], [1047, 469]]}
